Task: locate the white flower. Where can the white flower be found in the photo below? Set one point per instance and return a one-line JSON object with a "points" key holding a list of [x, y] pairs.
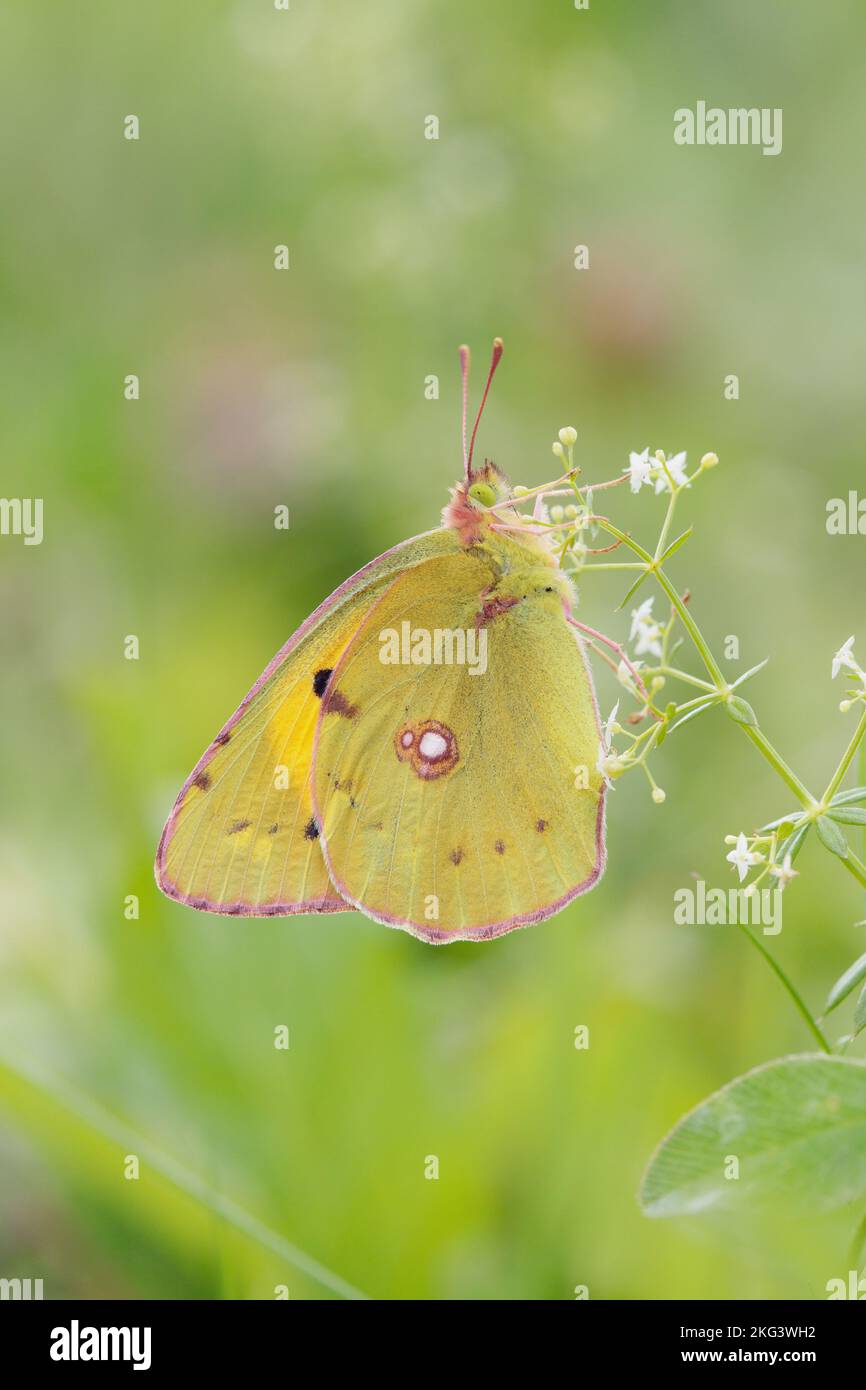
{"points": [[639, 469], [639, 616], [676, 467], [609, 764], [742, 857], [783, 872], [607, 728], [649, 640], [608, 759], [845, 657], [624, 673], [646, 633]]}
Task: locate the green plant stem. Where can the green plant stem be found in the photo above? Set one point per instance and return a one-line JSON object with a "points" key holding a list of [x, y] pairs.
{"points": [[666, 524], [676, 674], [855, 866], [777, 762], [846, 760], [861, 767], [610, 565], [858, 1240], [652, 567], [692, 629], [761, 742], [797, 998]]}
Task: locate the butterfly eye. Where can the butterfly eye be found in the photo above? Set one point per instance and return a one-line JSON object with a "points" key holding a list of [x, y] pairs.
{"points": [[482, 493]]}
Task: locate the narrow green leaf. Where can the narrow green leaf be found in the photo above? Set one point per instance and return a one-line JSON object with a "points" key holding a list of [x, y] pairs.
{"points": [[848, 815], [794, 842], [831, 837], [847, 981], [796, 1126], [860, 1012], [741, 711], [792, 818], [844, 798], [633, 589], [675, 545], [699, 709], [753, 670]]}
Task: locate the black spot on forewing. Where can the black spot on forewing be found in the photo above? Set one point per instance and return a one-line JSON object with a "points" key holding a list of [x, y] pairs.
{"points": [[541, 826], [311, 830], [222, 738], [455, 856], [320, 680], [202, 780], [238, 826], [273, 830], [499, 847]]}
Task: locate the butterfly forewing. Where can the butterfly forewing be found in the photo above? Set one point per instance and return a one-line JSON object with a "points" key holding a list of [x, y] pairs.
{"points": [[242, 837]]}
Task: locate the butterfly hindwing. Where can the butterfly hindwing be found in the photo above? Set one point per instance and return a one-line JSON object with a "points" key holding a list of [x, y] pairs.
{"points": [[242, 838], [460, 805]]}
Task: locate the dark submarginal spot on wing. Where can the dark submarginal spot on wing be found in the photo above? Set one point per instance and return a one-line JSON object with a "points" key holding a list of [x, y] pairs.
{"points": [[335, 702], [320, 680], [344, 787], [202, 779], [238, 826], [499, 847], [273, 830], [541, 826], [222, 738], [311, 830], [455, 856]]}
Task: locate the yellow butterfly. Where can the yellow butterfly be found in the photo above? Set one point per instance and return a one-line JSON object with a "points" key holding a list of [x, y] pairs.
{"points": [[423, 748]]}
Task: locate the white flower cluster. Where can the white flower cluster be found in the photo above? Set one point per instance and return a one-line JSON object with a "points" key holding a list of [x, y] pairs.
{"points": [[846, 660], [646, 632], [662, 473], [745, 855]]}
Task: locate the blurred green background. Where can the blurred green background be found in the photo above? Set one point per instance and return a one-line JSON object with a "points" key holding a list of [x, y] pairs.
{"points": [[306, 387]]}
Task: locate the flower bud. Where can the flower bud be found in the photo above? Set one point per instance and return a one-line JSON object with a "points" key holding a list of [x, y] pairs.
{"points": [[658, 795], [568, 435]]}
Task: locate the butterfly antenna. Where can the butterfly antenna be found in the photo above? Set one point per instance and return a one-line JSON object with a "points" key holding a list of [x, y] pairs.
{"points": [[464, 377], [494, 363]]}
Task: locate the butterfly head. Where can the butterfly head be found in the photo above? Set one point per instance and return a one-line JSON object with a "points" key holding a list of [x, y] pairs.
{"points": [[488, 486], [470, 510]]}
